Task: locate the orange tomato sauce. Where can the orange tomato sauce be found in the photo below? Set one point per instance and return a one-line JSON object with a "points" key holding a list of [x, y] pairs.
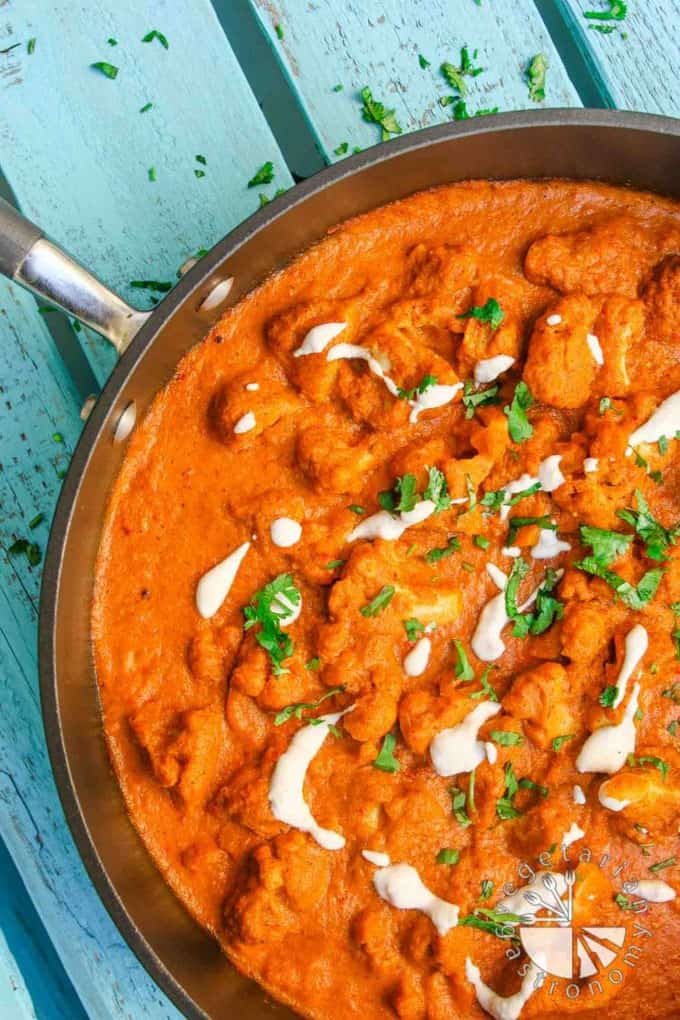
{"points": [[575, 287]]}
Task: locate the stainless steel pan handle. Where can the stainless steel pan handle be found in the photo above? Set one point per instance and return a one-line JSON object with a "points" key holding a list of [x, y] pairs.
{"points": [[27, 257]]}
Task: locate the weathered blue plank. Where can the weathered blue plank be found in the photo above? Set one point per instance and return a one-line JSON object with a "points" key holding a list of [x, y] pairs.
{"points": [[638, 62], [325, 45], [77, 151], [39, 424]]}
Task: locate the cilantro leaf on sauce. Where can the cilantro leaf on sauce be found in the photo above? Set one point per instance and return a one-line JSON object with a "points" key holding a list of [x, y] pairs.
{"points": [[495, 923], [505, 808], [462, 669], [506, 738], [295, 711], [606, 545], [529, 784], [490, 312], [268, 607], [448, 855], [437, 489], [376, 113], [559, 742], [487, 690], [657, 539], [657, 763], [403, 495], [386, 760], [608, 696], [413, 628], [519, 426], [458, 809], [380, 602], [516, 523], [635, 597], [536, 74], [547, 607], [452, 546], [472, 399], [265, 175], [669, 862], [425, 383], [486, 889]]}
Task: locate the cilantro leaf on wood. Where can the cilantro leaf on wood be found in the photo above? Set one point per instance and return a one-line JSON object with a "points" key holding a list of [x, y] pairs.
{"points": [[617, 11], [536, 74], [376, 113], [109, 70], [519, 426], [31, 550], [386, 760], [380, 602], [490, 312], [155, 34], [267, 608], [265, 175], [455, 75]]}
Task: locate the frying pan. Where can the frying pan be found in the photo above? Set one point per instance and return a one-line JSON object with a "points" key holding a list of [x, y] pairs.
{"points": [[623, 148]]}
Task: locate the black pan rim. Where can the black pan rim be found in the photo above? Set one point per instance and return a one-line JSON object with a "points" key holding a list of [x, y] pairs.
{"points": [[97, 422]]}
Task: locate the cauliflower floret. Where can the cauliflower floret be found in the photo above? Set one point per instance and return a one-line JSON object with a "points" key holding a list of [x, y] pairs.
{"points": [[540, 698], [233, 407], [560, 368], [650, 800], [619, 329], [662, 301], [337, 459], [373, 931], [586, 629], [211, 652]]}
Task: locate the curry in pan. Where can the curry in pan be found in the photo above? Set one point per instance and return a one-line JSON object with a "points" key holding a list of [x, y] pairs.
{"points": [[387, 613]]}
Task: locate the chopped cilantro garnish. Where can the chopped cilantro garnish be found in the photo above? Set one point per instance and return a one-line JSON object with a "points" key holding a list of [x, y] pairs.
{"points": [[155, 34], [536, 72], [663, 446], [486, 889], [413, 628], [313, 664], [356, 509], [380, 602], [338, 88], [506, 738], [634, 597], [605, 405], [487, 690], [672, 693], [606, 545], [669, 862], [268, 607], [490, 312], [295, 711], [519, 426], [28, 549], [425, 383], [146, 107], [460, 110], [334, 564], [452, 546], [448, 855], [520, 522], [473, 399], [672, 727], [151, 173], [30, 46], [109, 70], [649, 759], [423, 61], [623, 902], [602, 29], [494, 500], [279, 31], [608, 696], [386, 760], [35, 521], [201, 159], [547, 607], [468, 567], [265, 175], [491, 921], [437, 490], [341, 149], [559, 742], [458, 809], [505, 809], [462, 669], [529, 784], [657, 539], [455, 76], [376, 113], [481, 541], [199, 173], [403, 495], [618, 9], [111, 41]]}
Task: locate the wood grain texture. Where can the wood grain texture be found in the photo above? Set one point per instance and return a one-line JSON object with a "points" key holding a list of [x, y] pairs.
{"points": [[639, 62], [77, 151], [355, 44], [39, 425]]}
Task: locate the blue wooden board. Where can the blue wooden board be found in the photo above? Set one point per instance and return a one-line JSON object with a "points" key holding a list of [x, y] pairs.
{"points": [[76, 151]]}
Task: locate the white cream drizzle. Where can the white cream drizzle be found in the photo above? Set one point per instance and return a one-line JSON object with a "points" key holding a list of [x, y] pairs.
{"points": [[595, 348], [380, 860], [548, 546], [318, 338], [489, 369], [607, 748], [487, 641], [635, 646], [434, 396], [665, 422], [215, 585], [590, 464], [285, 532], [457, 749], [245, 424], [252, 387], [654, 890], [572, 835], [503, 1007], [491, 752], [389, 527], [286, 610], [549, 478], [578, 796], [554, 319], [511, 551], [415, 663], [401, 886], [349, 351], [286, 790], [611, 803]]}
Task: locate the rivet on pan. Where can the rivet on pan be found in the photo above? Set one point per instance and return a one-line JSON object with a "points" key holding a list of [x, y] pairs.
{"points": [[86, 409], [217, 295], [125, 423]]}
